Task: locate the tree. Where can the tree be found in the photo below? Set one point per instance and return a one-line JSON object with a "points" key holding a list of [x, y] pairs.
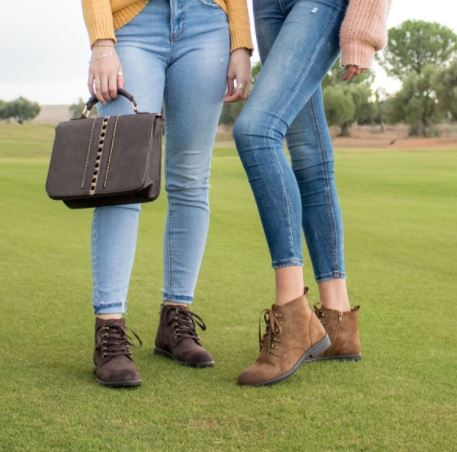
{"points": [[361, 108], [2, 110], [366, 109], [416, 103], [339, 107], [21, 109], [414, 45], [445, 83]]}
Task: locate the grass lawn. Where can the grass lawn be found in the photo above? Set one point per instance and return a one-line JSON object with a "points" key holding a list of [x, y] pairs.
{"points": [[400, 211]]}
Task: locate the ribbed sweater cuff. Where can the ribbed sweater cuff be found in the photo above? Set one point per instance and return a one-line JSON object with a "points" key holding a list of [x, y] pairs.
{"points": [[101, 29], [240, 37], [357, 53]]}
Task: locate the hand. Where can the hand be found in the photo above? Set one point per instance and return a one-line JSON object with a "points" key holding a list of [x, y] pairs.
{"points": [[239, 71], [351, 71], [105, 72]]}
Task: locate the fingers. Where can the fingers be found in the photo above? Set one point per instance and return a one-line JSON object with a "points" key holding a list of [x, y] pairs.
{"points": [[90, 84], [112, 86], [120, 79], [240, 92], [246, 90], [238, 76], [351, 71], [105, 87], [101, 88], [105, 74], [230, 87]]}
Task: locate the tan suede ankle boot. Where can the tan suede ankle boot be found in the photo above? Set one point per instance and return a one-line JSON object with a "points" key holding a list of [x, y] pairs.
{"points": [[293, 336], [343, 329]]}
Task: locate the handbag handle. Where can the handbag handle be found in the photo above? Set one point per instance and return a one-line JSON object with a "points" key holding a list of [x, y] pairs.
{"points": [[93, 100]]}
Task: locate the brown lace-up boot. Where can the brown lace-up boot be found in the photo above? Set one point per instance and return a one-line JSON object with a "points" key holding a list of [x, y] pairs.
{"points": [[293, 336], [343, 329], [113, 363], [177, 339]]}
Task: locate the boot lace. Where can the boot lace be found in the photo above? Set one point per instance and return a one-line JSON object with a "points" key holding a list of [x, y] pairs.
{"points": [[273, 329], [114, 341], [184, 322]]}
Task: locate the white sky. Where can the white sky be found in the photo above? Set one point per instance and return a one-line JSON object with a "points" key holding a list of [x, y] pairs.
{"points": [[44, 50]]}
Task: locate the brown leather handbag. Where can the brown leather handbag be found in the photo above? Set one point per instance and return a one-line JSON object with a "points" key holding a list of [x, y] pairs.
{"points": [[106, 160]]}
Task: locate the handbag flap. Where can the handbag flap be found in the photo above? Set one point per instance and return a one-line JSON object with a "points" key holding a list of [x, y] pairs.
{"points": [[104, 155]]}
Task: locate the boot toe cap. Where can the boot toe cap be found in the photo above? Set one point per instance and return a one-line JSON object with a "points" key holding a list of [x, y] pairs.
{"points": [[119, 376], [197, 357], [256, 375]]}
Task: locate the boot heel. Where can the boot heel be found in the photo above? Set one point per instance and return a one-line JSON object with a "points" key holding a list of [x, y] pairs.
{"points": [[316, 351]]}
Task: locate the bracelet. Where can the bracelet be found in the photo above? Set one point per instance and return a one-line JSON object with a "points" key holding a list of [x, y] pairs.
{"points": [[99, 57]]}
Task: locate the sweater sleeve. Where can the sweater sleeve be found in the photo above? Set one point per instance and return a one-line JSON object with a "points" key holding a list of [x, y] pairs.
{"points": [[99, 20], [240, 29], [363, 31]]}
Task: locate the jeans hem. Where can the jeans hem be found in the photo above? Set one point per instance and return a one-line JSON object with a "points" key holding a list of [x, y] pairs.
{"points": [[330, 276], [287, 263], [109, 308], [169, 296]]}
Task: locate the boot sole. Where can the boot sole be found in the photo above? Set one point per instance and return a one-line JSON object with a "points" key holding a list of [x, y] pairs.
{"points": [[310, 355], [161, 352], [356, 357], [118, 384]]}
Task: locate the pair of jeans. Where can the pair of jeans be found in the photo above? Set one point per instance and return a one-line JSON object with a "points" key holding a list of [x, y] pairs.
{"points": [[298, 43], [174, 54]]}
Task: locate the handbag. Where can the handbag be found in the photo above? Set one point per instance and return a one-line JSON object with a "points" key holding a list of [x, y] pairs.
{"points": [[106, 160]]}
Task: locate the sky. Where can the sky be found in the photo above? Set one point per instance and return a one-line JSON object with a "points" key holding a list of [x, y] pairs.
{"points": [[45, 50]]}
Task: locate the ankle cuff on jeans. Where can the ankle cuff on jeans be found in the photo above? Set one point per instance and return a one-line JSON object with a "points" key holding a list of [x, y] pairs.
{"points": [[169, 296], [109, 308], [330, 276], [287, 263]]}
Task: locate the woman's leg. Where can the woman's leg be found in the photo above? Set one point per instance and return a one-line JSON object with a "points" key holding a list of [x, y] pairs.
{"points": [[303, 51], [278, 98], [114, 228], [195, 87], [311, 153]]}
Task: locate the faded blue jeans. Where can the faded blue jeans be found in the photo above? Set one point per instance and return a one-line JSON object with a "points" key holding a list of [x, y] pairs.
{"points": [[298, 43], [175, 53]]}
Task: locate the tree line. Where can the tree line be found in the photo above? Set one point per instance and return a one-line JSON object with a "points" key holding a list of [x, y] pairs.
{"points": [[19, 110], [422, 56]]}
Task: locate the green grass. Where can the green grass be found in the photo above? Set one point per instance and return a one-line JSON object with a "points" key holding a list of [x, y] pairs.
{"points": [[400, 214]]}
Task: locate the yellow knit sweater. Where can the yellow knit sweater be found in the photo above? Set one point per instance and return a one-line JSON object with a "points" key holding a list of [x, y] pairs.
{"points": [[103, 17]]}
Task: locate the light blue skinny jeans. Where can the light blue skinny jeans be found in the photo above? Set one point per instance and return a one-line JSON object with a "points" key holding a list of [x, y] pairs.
{"points": [[298, 43], [174, 54]]}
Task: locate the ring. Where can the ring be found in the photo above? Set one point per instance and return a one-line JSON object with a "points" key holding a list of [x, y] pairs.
{"points": [[120, 73], [240, 86]]}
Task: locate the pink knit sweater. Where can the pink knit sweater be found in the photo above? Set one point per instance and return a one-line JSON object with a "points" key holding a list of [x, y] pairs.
{"points": [[363, 31]]}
